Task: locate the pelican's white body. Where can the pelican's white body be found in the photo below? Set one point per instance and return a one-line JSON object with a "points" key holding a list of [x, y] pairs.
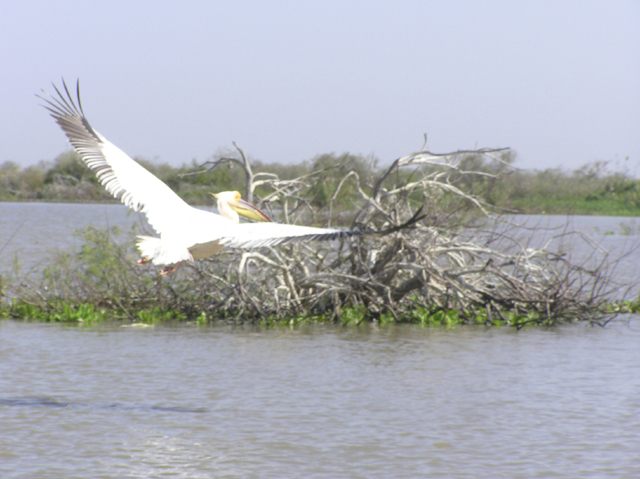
{"points": [[185, 233]]}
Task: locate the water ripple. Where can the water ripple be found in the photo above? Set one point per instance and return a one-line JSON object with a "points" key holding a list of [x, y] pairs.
{"points": [[56, 403]]}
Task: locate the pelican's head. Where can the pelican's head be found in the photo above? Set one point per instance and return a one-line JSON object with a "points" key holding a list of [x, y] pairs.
{"points": [[230, 205]]}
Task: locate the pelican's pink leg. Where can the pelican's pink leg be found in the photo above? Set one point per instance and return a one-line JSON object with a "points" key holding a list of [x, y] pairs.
{"points": [[168, 270], [143, 261]]}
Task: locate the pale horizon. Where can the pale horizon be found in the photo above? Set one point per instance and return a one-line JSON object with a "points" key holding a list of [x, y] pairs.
{"points": [[558, 82]]}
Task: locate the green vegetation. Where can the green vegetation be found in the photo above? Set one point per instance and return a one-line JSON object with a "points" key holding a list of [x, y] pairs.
{"points": [[593, 189]]}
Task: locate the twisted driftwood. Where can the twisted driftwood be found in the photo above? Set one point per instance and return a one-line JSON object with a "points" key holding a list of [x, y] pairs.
{"points": [[419, 255]]}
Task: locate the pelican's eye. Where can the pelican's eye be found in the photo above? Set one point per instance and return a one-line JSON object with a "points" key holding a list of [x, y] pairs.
{"points": [[237, 196]]}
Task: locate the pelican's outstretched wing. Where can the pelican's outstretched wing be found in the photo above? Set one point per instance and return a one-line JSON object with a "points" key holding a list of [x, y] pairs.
{"points": [[122, 176], [250, 235], [255, 235], [186, 233]]}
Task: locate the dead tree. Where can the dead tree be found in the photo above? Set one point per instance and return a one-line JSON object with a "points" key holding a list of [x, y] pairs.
{"points": [[431, 246]]}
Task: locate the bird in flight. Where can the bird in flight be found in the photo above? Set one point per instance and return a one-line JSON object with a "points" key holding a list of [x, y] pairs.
{"points": [[184, 233]]}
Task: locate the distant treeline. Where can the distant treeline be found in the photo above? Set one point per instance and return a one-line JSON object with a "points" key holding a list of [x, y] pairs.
{"points": [[591, 189]]}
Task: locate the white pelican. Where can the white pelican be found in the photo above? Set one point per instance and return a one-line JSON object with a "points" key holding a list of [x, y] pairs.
{"points": [[185, 233]]}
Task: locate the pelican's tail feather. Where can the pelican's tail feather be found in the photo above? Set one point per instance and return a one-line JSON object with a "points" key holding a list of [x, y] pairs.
{"points": [[161, 252]]}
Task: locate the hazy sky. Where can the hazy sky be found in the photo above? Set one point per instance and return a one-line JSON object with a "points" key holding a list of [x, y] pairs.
{"points": [[558, 81]]}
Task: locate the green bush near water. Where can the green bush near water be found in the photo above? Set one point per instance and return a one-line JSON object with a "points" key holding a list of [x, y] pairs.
{"points": [[99, 282]]}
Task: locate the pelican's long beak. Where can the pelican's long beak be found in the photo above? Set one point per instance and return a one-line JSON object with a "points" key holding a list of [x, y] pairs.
{"points": [[246, 209]]}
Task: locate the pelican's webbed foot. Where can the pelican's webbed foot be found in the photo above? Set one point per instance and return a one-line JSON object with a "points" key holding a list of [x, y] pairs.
{"points": [[168, 270], [143, 261]]}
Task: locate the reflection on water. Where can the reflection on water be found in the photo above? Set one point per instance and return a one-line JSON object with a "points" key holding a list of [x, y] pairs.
{"points": [[319, 401]]}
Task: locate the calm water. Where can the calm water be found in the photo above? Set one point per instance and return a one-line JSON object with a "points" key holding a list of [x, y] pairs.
{"points": [[319, 402], [315, 402]]}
